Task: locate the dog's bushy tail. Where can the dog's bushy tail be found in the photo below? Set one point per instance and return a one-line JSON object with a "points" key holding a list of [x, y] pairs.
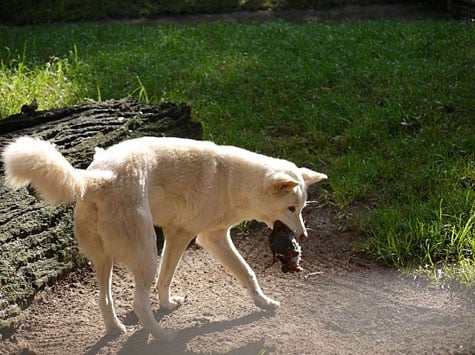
{"points": [[34, 161]]}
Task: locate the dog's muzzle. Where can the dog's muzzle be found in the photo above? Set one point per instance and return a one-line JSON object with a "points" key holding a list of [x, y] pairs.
{"points": [[285, 248]]}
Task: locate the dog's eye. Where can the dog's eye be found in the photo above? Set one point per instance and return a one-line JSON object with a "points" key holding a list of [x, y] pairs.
{"points": [[291, 208]]}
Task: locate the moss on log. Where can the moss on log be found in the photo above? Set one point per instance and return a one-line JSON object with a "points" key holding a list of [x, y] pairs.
{"points": [[37, 245]]}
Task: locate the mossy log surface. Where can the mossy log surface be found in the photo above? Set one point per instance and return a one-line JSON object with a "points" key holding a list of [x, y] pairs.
{"points": [[37, 245]]}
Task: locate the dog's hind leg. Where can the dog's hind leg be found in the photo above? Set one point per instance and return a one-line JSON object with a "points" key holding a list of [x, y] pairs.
{"points": [[220, 245], [104, 278], [128, 236], [144, 277], [144, 268], [176, 242], [85, 229]]}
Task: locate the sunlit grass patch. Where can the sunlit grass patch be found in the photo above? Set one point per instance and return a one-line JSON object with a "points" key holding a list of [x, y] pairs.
{"points": [[447, 275], [50, 83], [424, 234]]}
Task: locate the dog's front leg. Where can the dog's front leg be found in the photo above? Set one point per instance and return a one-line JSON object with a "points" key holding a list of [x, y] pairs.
{"points": [[176, 242], [220, 245]]}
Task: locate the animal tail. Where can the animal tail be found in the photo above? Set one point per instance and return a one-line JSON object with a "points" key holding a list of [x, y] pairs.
{"points": [[34, 161]]}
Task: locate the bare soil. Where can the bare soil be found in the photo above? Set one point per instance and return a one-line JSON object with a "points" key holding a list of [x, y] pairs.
{"points": [[395, 11], [343, 303]]}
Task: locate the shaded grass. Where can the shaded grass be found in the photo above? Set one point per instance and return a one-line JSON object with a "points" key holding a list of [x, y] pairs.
{"points": [[385, 108]]}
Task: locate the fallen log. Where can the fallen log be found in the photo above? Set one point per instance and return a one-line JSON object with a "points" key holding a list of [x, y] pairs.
{"points": [[37, 245]]}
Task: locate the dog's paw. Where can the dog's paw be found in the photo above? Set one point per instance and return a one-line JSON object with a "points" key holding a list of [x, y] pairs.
{"points": [[168, 334], [162, 334], [116, 328], [173, 303], [266, 303]]}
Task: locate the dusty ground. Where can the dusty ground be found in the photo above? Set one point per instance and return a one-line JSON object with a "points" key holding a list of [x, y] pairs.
{"points": [[394, 11], [343, 303]]}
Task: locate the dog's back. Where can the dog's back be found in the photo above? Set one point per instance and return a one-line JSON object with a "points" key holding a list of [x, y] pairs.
{"points": [[185, 182]]}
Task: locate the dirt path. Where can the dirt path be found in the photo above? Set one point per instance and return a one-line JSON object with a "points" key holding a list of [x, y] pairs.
{"points": [[405, 11], [343, 303]]}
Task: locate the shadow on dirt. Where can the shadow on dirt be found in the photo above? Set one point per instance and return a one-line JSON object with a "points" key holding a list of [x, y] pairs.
{"points": [[139, 343]]}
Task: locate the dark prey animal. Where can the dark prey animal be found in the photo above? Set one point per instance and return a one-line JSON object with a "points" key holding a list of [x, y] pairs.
{"points": [[285, 248]]}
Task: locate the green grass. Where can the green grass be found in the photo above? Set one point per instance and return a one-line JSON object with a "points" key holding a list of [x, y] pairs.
{"points": [[387, 109], [50, 83]]}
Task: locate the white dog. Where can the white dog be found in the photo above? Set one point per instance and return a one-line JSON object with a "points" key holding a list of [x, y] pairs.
{"points": [[190, 188]]}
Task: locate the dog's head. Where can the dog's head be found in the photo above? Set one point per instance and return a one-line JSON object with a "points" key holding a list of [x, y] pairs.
{"points": [[286, 194]]}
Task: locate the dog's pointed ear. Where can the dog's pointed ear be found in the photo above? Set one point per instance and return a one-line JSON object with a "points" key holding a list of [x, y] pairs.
{"points": [[282, 182], [312, 177]]}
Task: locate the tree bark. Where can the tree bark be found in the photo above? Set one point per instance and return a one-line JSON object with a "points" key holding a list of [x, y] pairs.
{"points": [[37, 245]]}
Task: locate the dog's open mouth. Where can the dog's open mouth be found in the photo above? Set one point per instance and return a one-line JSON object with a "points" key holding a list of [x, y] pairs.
{"points": [[285, 247]]}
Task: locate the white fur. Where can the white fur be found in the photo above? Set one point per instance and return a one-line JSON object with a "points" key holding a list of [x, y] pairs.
{"points": [[190, 188]]}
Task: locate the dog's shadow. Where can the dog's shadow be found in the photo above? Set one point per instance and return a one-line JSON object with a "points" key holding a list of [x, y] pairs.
{"points": [[138, 342]]}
